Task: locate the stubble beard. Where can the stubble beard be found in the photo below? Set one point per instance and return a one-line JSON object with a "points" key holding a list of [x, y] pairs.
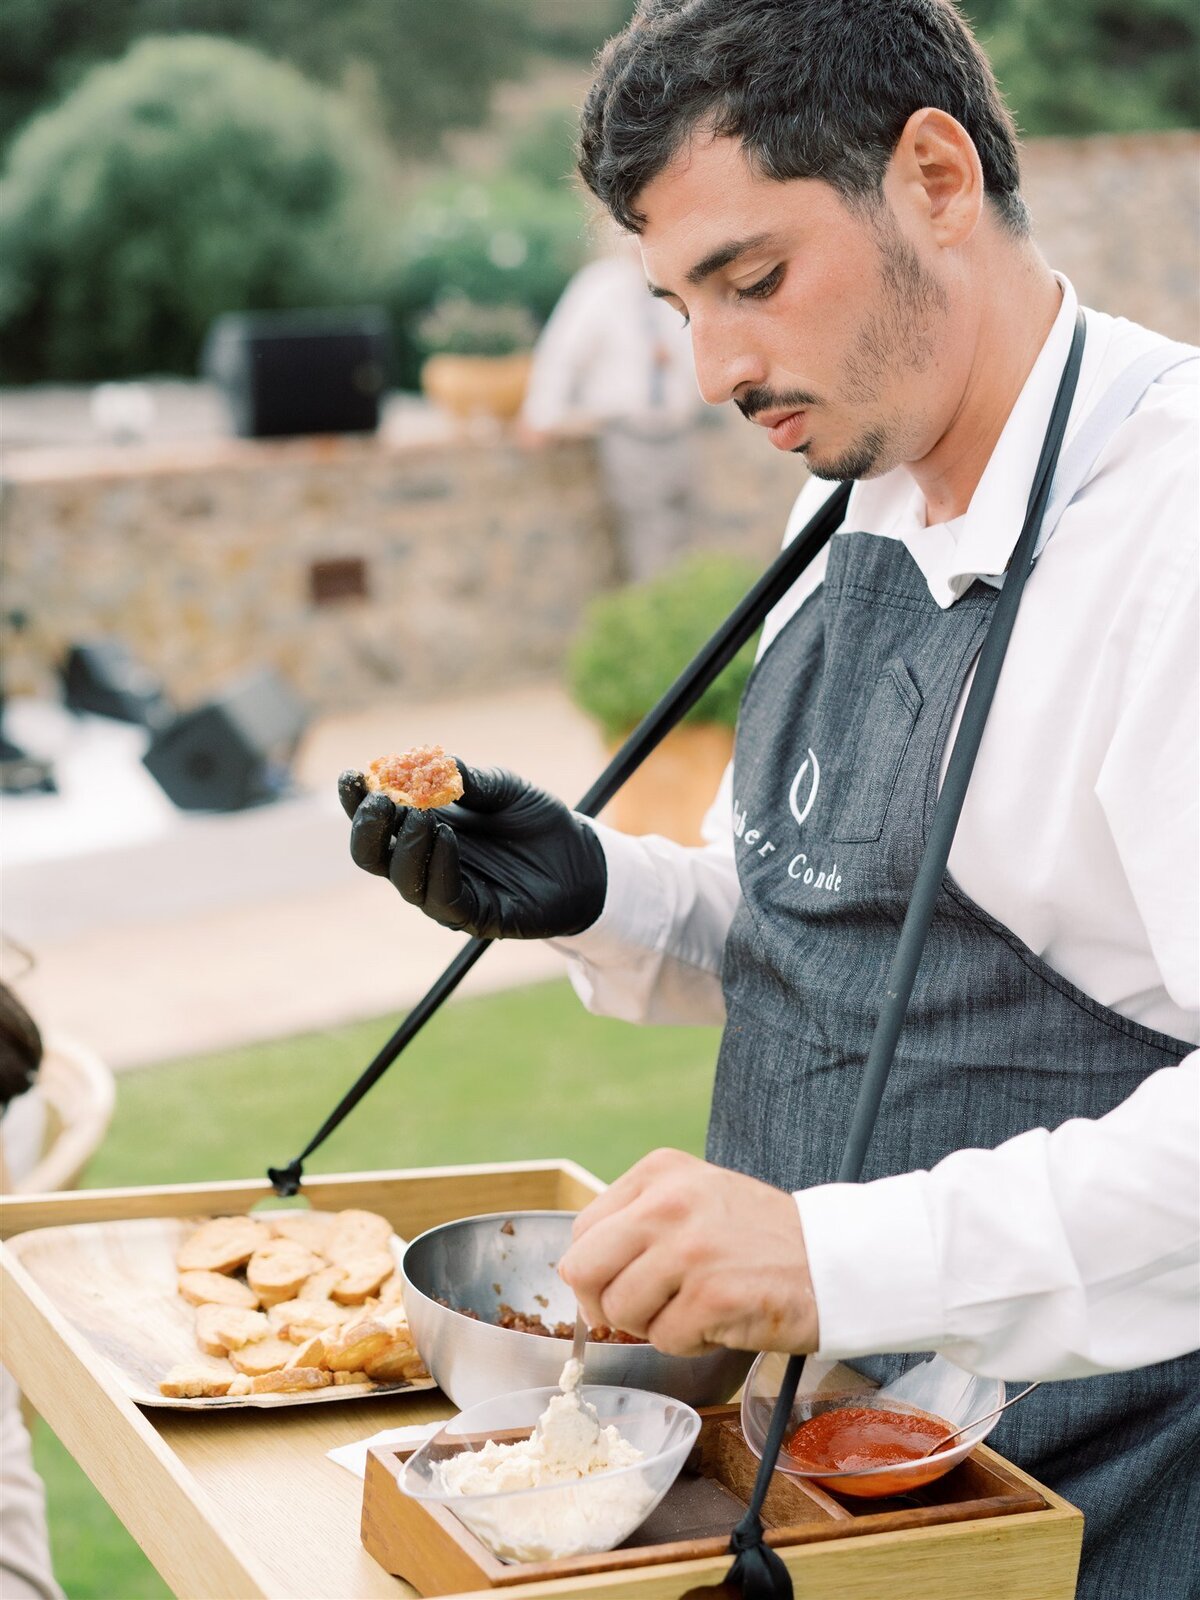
{"points": [[898, 339]]}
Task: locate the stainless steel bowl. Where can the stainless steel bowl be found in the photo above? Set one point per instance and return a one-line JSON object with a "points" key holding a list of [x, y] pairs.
{"points": [[510, 1257]]}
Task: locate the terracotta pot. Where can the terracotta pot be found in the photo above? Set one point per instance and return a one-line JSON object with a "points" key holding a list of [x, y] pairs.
{"points": [[674, 787], [470, 386]]}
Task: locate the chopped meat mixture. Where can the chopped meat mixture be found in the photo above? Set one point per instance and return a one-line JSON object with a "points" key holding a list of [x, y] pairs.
{"points": [[422, 777], [522, 1322]]}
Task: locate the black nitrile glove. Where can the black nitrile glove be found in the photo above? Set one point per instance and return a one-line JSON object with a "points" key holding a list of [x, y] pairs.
{"points": [[507, 862]]}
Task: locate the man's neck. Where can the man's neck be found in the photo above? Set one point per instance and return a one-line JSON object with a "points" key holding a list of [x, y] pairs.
{"points": [[1014, 323]]}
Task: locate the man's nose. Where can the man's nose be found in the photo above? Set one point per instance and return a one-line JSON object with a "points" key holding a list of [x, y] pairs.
{"points": [[722, 366]]}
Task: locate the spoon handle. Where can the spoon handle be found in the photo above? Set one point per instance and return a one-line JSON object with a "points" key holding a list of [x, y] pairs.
{"points": [[987, 1416], [580, 1339]]}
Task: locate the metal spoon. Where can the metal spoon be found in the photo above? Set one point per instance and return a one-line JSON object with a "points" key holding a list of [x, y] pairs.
{"points": [[579, 1342], [967, 1426]]}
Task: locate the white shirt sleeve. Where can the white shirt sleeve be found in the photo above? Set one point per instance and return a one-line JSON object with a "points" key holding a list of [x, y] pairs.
{"points": [[1056, 1255], [654, 953]]}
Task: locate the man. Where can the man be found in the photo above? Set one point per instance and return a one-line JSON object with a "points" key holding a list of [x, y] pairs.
{"points": [[828, 191]]}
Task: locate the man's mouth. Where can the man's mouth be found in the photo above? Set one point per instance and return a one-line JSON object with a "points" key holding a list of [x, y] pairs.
{"points": [[785, 429]]}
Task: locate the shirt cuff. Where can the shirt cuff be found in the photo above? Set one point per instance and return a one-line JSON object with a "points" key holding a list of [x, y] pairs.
{"points": [[874, 1267], [635, 907]]}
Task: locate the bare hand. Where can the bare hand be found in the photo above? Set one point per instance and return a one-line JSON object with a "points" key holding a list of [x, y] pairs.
{"points": [[691, 1256]]}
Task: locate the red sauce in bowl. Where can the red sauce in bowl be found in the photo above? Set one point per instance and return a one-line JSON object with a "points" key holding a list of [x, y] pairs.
{"points": [[851, 1438]]}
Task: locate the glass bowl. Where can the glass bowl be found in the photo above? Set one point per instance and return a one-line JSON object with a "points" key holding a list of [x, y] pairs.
{"points": [[929, 1385], [561, 1519]]}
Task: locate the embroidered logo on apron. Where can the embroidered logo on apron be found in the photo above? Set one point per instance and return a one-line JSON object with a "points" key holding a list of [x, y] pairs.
{"points": [[800, 811], [802, 795]]}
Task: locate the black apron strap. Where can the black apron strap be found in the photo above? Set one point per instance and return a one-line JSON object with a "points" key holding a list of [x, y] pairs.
{"points": [[758, 1573], [679, 699]]}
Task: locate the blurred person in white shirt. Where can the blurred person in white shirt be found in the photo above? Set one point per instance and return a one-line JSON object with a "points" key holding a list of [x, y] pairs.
{"points": [[614, 362]]}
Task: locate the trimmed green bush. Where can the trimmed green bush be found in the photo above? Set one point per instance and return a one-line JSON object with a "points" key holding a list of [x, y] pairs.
{"points": [[636, 641], [193, 176]]}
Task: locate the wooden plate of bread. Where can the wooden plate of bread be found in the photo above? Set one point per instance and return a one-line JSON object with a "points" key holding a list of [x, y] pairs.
{"points": [[282, 1307]]}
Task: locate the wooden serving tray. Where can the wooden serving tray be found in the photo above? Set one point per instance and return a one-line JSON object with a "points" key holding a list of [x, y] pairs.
{"points": [[243, 1503], [115, 1283], [433, 1550], [247, 1503]]}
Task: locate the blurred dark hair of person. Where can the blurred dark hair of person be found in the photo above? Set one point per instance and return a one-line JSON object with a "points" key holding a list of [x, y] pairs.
{"points": [[20, 1047]]}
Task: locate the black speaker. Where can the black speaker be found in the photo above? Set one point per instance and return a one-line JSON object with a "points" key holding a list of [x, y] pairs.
{"points": [[234, 752], [103, 678], [299, 372]]}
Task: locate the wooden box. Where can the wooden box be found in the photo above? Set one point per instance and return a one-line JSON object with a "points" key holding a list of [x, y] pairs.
{"points": [[947, 1539], [245, 1503]]}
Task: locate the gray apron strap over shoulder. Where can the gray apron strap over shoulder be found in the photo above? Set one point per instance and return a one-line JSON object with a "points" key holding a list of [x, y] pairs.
{"points": [[758, 1573]]}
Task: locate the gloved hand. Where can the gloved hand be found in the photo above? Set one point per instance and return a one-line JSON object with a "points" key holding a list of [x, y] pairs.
{"points": [[508, 861]]}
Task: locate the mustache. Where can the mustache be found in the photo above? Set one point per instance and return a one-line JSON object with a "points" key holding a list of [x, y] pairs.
{"points": [[756, 400]]}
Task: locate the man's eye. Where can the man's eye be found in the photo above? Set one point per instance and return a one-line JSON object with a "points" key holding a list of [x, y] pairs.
{"points": [[764, 286]]}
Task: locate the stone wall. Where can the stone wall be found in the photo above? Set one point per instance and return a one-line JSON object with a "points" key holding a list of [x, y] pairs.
{"points": [[1120, 215], [353, 568], [346, 566]]}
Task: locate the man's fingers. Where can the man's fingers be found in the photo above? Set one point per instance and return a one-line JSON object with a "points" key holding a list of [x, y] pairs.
{"points": [[371, 834], [409, 866], [642, 1291], [352, 791], [678, 1331], [624, 1191], [593, 1263], [448, 896], [488, 789]]}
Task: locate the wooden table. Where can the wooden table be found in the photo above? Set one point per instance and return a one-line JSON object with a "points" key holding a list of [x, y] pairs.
{"points": [[241, 1504]]}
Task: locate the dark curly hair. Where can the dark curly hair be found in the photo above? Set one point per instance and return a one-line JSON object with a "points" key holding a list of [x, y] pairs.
{"points": [[20, 1047], [811, 88]]}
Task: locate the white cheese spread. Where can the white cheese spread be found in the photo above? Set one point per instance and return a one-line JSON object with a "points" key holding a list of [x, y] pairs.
{"points": [[567, 1447]]}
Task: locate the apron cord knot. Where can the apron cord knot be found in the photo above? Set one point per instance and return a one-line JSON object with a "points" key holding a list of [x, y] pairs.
{"points": [[758, 1573], [286, 1180]]}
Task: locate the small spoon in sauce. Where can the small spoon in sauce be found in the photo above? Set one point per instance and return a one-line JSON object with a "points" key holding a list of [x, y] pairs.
{"points": [[967, 1426]]}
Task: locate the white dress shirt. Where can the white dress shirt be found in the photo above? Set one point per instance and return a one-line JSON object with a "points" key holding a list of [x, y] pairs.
{"points": [[1057, 1254]]}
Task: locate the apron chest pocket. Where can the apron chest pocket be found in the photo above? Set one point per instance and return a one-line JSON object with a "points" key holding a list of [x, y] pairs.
{"points": [[882, 740]]}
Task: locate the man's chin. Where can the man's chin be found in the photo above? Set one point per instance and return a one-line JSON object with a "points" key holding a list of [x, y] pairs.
{"points": [[863, 460]]}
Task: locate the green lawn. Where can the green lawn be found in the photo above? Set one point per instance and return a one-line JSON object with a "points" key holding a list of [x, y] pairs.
{"points": [[513, 1076]]}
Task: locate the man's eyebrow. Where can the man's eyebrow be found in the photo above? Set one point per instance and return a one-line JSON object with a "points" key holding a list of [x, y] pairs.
{"points": [[715, 260]]}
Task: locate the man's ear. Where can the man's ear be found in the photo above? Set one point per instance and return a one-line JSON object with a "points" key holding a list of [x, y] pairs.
{"points": [[935, 175]]}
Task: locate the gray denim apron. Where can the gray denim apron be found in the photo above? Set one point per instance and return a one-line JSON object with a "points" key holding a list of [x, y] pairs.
{"points": [[836, 771]]}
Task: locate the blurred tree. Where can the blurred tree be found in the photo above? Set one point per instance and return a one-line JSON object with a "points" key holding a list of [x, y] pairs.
{"points": [[1095, 66], [1075, 67], [544, 148], [425, 66], [575, 29], [193, 177]]}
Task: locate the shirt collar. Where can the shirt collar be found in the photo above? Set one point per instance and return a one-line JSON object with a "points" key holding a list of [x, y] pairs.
{"points": [[979, 544]]}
